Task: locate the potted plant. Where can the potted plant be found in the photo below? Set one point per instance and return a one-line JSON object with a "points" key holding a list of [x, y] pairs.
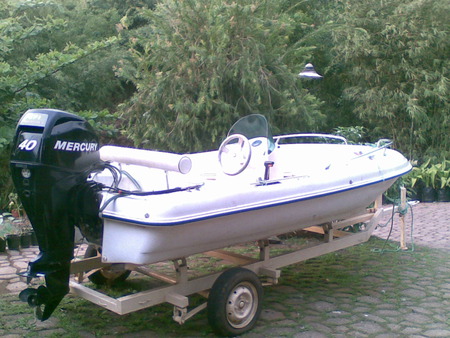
{"points": [[443, 181], [25, 237], [9, 231], [20, 222], [15, 206], [428, 176], [15, 227]]}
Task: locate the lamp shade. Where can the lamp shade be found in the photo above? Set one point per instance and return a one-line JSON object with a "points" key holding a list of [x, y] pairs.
{"points": [[309, 72]]}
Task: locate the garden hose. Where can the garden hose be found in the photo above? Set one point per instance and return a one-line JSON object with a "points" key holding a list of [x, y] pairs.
{"points": [[402, 212]]}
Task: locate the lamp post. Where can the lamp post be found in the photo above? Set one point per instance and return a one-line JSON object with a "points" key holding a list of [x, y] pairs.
{"points": [[309, 73]]}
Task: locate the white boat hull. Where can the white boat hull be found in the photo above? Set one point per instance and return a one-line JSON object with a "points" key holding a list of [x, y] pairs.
{"points": [[128, 242]]}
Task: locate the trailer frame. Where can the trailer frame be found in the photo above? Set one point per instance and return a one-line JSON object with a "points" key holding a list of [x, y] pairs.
{"points": [[177, 290]]}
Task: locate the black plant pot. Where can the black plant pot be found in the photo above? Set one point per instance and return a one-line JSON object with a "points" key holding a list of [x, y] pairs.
{"points": [[25, 240], [13, 242], [443, 195], [2, 244], [428, 194]]}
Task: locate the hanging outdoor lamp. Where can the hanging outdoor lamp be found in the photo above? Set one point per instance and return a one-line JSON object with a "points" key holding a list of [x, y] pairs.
{"points": [[309, 73]]}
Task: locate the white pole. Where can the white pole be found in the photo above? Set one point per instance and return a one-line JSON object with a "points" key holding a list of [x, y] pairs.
{"points": [[402, 218]]}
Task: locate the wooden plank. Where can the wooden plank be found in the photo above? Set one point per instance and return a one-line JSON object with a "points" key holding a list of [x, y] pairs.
{"points": [[86, 264], [177, 300], [232, 257], [319, 230], [160, 276], [339, 233], [315, 228], [354, 220], [315, 251]]}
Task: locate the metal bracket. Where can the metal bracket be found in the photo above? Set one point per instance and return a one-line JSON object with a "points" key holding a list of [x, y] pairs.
{"points": [[181, 269], [181, 314], [272, 275]]}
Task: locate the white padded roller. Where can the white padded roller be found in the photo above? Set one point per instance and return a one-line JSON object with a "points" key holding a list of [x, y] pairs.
{"points": [[147, 158]]}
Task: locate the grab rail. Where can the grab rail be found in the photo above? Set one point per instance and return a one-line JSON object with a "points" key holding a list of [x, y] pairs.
{"points": [[378, 148], [336, 137], [388, 142]]}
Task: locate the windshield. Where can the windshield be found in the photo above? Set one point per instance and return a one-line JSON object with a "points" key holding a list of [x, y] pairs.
{"points": [[253, 126]]}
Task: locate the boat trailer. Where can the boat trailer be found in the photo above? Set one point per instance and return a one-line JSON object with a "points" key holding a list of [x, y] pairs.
{"points": [[55, 156], [234, 296]]}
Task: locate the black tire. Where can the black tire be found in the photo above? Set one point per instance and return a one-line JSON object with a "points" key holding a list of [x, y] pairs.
{"points": [[105, 275], [234, 302]]}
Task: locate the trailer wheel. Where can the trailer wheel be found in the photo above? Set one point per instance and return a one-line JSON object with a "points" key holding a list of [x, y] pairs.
{"points": [[234, 302], [105, 275]]}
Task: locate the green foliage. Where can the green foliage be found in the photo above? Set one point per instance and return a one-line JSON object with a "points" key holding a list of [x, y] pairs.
{"points": [[195, 67], [49, 57], [434, 175], [7, 225], [203, 64], [397, 60], [16, 223], [20, 75], [106, 124], [353, 135]]}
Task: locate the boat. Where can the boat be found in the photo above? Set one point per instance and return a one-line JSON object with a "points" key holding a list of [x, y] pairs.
{"points": [[145, 206], [253, 187]]}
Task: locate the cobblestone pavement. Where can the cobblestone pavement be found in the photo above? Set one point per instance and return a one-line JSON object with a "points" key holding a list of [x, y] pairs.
{"points": [[428, 223], [424, 293]]}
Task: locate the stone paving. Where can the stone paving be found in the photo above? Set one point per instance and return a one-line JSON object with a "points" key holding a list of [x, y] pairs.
{"points": [[421, 309], [429, 224]]}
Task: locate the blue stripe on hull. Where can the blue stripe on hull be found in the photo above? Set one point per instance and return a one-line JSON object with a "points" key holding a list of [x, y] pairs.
{"points": [[132, 221]]}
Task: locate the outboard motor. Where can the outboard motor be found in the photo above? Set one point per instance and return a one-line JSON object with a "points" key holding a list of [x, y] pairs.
{"points": [[53, 154]]}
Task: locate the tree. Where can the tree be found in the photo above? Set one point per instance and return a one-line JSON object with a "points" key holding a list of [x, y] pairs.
{"points": [[25, 64], [396, 54], [203, 64]]}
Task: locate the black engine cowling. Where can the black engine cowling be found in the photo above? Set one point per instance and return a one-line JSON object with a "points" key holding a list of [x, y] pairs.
{"points": [[53, 154]]}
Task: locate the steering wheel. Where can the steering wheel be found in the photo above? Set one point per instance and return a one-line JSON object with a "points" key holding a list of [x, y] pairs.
{"points": [[234, 154]]}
